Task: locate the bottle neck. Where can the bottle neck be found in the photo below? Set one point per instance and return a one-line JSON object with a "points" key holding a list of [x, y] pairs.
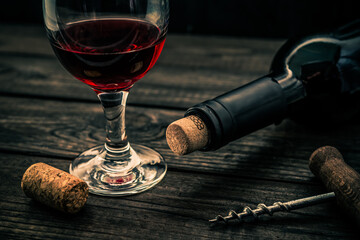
{"points": [[248, 108]]}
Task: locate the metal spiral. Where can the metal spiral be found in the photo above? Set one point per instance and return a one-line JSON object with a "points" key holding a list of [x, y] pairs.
{"points": [[248, 212], [262, 209], [265, 209]]}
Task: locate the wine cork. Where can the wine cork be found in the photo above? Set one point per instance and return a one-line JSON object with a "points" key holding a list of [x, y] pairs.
{"points": [[187, 135], [55, 188]]}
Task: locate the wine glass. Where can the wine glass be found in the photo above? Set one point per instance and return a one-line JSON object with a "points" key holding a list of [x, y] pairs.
{"points": [[109, 45]]}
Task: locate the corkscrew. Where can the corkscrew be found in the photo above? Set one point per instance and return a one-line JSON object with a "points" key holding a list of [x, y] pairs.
{"points": [[326, 163]]}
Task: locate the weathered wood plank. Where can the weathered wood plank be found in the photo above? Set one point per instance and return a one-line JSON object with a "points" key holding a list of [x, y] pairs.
{"points": [[31, 39], [191, 69], [64, 129], [266, 166], [178, 208]]}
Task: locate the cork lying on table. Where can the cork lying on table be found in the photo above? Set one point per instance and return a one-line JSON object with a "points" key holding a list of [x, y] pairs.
{"points": [[54, 188], [187, 135]]}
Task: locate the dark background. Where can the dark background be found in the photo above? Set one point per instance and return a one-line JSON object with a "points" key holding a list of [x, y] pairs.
{"points": [[247, 18]]}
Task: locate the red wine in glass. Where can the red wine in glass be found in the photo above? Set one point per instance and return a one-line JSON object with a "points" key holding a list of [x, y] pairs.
{"points": [[108, 54]]}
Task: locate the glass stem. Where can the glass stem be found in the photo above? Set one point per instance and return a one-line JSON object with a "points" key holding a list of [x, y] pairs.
{"points": [[114, 110]]}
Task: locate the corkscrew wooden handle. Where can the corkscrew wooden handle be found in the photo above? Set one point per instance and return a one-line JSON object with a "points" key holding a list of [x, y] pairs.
{"points": [[328, 164]]}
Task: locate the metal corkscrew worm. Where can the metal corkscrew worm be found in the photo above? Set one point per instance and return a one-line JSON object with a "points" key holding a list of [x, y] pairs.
{"points": [[262, 209]]}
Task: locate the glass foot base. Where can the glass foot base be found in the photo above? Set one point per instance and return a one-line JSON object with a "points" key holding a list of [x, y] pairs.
{"points": [[119, 173]]}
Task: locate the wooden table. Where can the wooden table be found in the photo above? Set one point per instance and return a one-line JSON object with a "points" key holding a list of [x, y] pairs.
{"points": [[47, 116]]}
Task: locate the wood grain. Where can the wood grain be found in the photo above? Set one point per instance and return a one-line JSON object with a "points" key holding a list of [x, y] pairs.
{"points": [[177, 208], [190, 69], [65, 129], [47, 116]]}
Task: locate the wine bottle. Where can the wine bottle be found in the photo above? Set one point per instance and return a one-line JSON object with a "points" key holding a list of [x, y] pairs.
{"points": [[315, 79]]}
